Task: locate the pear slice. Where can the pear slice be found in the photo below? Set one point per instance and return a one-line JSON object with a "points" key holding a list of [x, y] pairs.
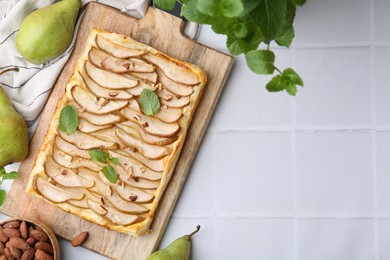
{"points": [[128, 178], [107, 119], [136, 169], [103, 92], [90, 102], [86, 141], [138, 65], [155, 165], [134, 105], [96, 207], [136, 91], [99, 187], [173, 86], [171, 100], [108, 79], [65, 177], [125, 206], [175, 71], [104, 60], [70, 148], [115, 49], [153, 125], [83, 202], [127, 192], [68, 161], [169, 115], [147, 76], [109, 136], [86, 127], [135, 130], [119, 218], [148, 150], [54, 193]]}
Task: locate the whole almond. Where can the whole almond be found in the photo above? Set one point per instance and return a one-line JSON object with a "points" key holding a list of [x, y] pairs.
{"points": [[3, 236], [12, 224], [23, 230], [17, 253], [45, 247], [79, 239], [8, 254], [31, 241], [11, 232], [3, 257], [42, 255], [28, 254], [38, 235], [2, 248], [19, 243]]}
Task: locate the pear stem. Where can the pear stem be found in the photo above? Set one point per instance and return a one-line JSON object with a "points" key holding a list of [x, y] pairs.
{"points": [[10, 69], [194, 232]]}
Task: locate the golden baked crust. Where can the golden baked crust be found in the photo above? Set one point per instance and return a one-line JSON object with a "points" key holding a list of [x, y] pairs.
{"points": [[147, 147]]}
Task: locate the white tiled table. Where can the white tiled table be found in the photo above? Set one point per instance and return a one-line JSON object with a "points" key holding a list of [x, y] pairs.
{"points": [[305, 178]]}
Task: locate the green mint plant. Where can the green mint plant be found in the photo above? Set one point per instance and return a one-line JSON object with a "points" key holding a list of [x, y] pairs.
{"points": [[4, 175], [250, 27]]}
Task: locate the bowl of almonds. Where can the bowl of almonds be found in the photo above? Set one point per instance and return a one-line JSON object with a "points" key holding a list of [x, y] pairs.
{"points": [[24, 239]]}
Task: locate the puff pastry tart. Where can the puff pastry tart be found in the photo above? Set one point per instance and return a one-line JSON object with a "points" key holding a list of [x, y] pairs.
{"points": [[105, 89]]}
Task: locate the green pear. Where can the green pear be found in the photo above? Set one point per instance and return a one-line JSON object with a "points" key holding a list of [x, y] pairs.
{"points": [[13, 132], [47, 32], [178, 250]]}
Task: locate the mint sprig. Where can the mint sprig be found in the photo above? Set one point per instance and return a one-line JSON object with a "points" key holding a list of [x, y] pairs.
{"points": [[6, 176], [105, 158], [250, 27]]}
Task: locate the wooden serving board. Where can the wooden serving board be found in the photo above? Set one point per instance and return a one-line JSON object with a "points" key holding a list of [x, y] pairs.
{"points": [[163, 32]]}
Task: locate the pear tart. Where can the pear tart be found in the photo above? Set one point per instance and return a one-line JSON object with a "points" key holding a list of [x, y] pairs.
{"points": [[105, 89]]}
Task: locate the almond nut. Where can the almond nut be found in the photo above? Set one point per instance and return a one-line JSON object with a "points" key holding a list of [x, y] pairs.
{"points": [[79, 239], [42, 255], [8, 254], [23, 230], [2, 248], [19, 243], [12, 224], [3, 236], [3, 257], [38, 235], [17, 253], [45, 247], [28, 254], [11, 232], [31, 241]]}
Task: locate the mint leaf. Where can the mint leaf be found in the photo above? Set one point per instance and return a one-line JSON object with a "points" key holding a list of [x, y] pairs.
{"points": [[292, 76], [150, 103], [165, 4], [261, 61], [114, 160], [190, 12], [251, 41], [269, 16], [110, 174], [2, 171], [275, 84], [98, 155], [291, 89], [231, 8], [249, 5], [69, 119], [298, 2], [240, 30], [287, 33], [11, 176], [3, 194], [232, 44], [209, 7]]}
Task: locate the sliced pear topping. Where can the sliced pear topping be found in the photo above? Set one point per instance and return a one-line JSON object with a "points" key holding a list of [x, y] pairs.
{"points": [[109, 136], [136, 169], [173, 86], [138, 65], [96, 207], [175, 71], [118, 217], [148, 150], [70, 148], [86, 141], [129, 178], [91, 103], [83, 202], [148, 76], [115, 49], [171, 100], [102, 120], [136, 91], [127, 192], [108, 79], [125, 206], [104, 92], [54, 193], [155, 165], [73, 162], [134, 105], [169, 115], [135, 130], [86, 127], [153, 126], [104, 60], [99, 187], [79, 203], [65, 177]]}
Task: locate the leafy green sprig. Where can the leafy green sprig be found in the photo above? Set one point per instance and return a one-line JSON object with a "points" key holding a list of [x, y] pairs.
{"points": [[250, 27], [4, 175], [105, 159]]}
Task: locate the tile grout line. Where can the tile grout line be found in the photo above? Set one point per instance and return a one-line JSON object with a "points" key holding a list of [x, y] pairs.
{"points": [[373, 131], [214, 135]]}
